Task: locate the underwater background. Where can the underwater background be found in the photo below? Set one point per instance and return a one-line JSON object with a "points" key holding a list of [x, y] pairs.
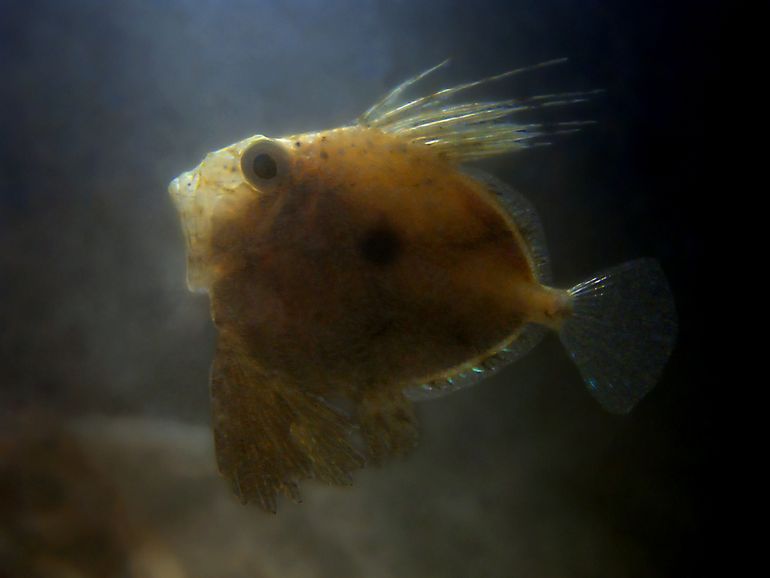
{"points": [[105, 354]]}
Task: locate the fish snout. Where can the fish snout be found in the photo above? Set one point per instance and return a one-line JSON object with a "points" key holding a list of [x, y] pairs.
{"points": [[173, 187], [183, 192], [182, 187], [195, 225]]}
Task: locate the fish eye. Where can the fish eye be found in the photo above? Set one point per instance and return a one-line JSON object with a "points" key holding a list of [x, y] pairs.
{"points": [[263, 163]]}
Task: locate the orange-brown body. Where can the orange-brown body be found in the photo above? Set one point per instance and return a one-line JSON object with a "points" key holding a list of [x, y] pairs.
{"points": [[374, 264], [350, 266], [369, 266]]}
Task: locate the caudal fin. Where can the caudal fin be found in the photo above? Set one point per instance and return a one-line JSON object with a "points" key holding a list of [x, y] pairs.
{"points": [[621, 332]]}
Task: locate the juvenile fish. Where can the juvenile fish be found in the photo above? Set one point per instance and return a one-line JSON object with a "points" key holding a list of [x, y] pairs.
{"points": [[354, 270]]}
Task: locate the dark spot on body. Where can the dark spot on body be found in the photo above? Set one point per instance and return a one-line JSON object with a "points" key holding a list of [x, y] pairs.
{"points": [[324, 155], [461, 337], [379, 327], [298, 144], [381, 245]]}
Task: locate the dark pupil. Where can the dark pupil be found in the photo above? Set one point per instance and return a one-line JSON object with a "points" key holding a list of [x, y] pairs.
{"points": [[264, 166]]}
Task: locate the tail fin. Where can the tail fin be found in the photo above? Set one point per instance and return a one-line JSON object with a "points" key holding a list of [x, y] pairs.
{"points": [[621, 332]]}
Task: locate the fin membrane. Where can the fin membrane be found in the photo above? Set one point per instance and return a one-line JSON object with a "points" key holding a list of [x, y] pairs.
{"points": [[621, 332], [524, 215], [388, 424], [270, 435], [469, 375]]}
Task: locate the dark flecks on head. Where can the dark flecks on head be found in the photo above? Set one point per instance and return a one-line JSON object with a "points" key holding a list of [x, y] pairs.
{"points": [[381, 245], [298, 143]]}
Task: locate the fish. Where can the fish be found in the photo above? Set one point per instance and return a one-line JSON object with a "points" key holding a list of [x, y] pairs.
{"points": [[355, 271]]}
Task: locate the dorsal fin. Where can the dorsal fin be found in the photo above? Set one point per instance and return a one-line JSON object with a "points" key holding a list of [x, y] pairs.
{"points": [[470, 130], [523, 213]]}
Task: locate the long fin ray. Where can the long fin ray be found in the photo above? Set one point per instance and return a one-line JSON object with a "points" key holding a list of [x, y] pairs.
{"points": [[472, 130], [388, 101], [446, 93], [480, 112]]}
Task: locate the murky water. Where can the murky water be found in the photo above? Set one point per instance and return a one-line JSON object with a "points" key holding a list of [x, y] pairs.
{"points": [[524, 475]]}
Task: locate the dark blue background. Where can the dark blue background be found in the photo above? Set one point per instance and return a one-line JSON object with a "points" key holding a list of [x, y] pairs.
{"points": [[101, 104]]}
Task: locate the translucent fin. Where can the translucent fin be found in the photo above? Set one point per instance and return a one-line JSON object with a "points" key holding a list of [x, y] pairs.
{"points": [[269, 435], [621, 332], [387, 424], [386, 115], [470, 374], [526, 218], [389, 100], [470, 131]]}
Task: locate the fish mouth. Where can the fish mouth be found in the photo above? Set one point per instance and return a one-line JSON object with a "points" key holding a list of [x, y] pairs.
{"points": [[196, 227]]}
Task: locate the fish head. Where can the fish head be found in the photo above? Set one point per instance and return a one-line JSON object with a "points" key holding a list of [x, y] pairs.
{"points": [[227, 183]]}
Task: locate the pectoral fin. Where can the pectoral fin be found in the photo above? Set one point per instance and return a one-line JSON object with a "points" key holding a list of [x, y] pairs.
{"points": [[269, 435]]}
